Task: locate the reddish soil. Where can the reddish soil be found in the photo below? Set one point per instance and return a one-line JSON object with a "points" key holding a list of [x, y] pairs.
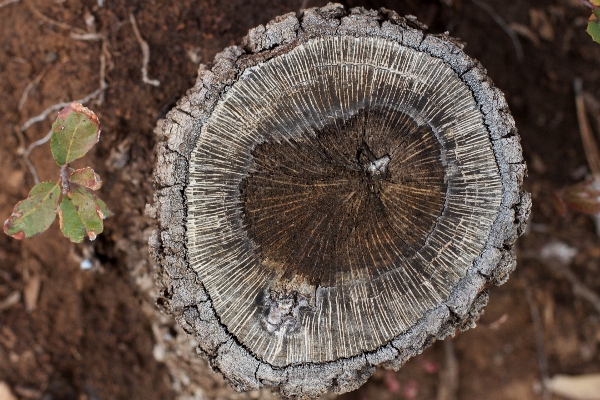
{"points": [[68, 333]]}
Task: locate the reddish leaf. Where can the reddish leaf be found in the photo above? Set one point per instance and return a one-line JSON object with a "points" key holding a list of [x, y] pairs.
{"points": [[75, 131], [582, 197], [86, 177]]}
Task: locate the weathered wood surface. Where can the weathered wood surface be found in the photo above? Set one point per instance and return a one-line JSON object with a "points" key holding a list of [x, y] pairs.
{"points": [[334, 195]]}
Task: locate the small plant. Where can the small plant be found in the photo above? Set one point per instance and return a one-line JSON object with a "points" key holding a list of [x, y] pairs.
{"points": [[75, 131], [593, 27]]}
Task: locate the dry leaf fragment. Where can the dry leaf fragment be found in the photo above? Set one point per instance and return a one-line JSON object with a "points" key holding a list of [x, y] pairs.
{"points": [[541, 23], [5, 392], [580, 387], [525, 32], [32, 292], [10, 300]]}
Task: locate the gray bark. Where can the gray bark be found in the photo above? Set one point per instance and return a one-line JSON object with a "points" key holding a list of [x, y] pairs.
{"points": [[244, 360]]}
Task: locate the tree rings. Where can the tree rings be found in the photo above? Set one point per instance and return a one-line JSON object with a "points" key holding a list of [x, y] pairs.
{"points": [[334, 195]]}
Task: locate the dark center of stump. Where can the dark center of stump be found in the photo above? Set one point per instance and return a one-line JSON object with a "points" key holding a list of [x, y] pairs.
{"points": [[356, 195]]}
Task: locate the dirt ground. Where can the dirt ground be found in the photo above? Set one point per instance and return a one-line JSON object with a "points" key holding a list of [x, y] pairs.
{"points": [[73, 333]]}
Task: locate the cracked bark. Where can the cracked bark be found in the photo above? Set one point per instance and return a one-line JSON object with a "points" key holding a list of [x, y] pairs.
{"points": [[314, 297]]}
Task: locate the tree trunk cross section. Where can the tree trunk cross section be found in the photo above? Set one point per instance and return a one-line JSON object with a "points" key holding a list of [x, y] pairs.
{"points": [[333, 195]]}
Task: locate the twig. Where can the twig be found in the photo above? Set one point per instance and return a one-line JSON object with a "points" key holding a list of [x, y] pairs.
{"points": [[26, 153], [10, 300], [592, 106], [78, 34], [103, 57], [500, 21], [590, 146], [88, 36], [42, 116], [588, 4], [561, 268], [145, 53], [104, 54], [49, 20], [449, 375], [579, 289], [525, 32], [7, 2], [592, 153], [28, 88], [539, 342]]}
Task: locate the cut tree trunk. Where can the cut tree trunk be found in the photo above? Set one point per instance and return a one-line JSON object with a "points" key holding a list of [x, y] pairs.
{"points": [[333, 195]]}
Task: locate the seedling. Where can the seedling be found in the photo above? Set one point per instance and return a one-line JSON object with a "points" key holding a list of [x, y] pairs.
{"points": [[75, 131], [593, 27]]}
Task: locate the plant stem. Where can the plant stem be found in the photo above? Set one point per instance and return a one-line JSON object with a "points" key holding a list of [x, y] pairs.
{"points": [[64, 179]]}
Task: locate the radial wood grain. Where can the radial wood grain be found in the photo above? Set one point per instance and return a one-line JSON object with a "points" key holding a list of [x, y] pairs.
{"points": [[334, 197]]}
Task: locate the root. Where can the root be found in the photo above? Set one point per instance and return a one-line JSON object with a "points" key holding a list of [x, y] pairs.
{"points": [[145, 53], [7, 2], [505, 27]]}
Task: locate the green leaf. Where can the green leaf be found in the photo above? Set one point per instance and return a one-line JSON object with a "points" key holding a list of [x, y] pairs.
{"points": [[80, 216], [593, 27], [70, 221], [86, 177], [105, 212], [75, 131], [34, 214]]}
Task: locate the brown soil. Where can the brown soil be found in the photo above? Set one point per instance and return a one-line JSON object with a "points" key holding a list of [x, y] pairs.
{"points": [[88, 334]]}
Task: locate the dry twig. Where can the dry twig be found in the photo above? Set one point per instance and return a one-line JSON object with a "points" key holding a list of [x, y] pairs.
{"points": [[10, 300], [30, 86], [104, 55], [579, 289], [449, 375], [592, 106], [592, 153], [103, 85], [145, 53], [590, 146], [505, 27], [42, 116], [50, 21], [27, 152], [7, 2], [525, 32], [88, 36], [558, 260], [538, 331], [80, 34]]}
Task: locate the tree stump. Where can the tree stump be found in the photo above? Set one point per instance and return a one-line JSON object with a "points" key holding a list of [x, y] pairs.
{"points": [[333, 195]]}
